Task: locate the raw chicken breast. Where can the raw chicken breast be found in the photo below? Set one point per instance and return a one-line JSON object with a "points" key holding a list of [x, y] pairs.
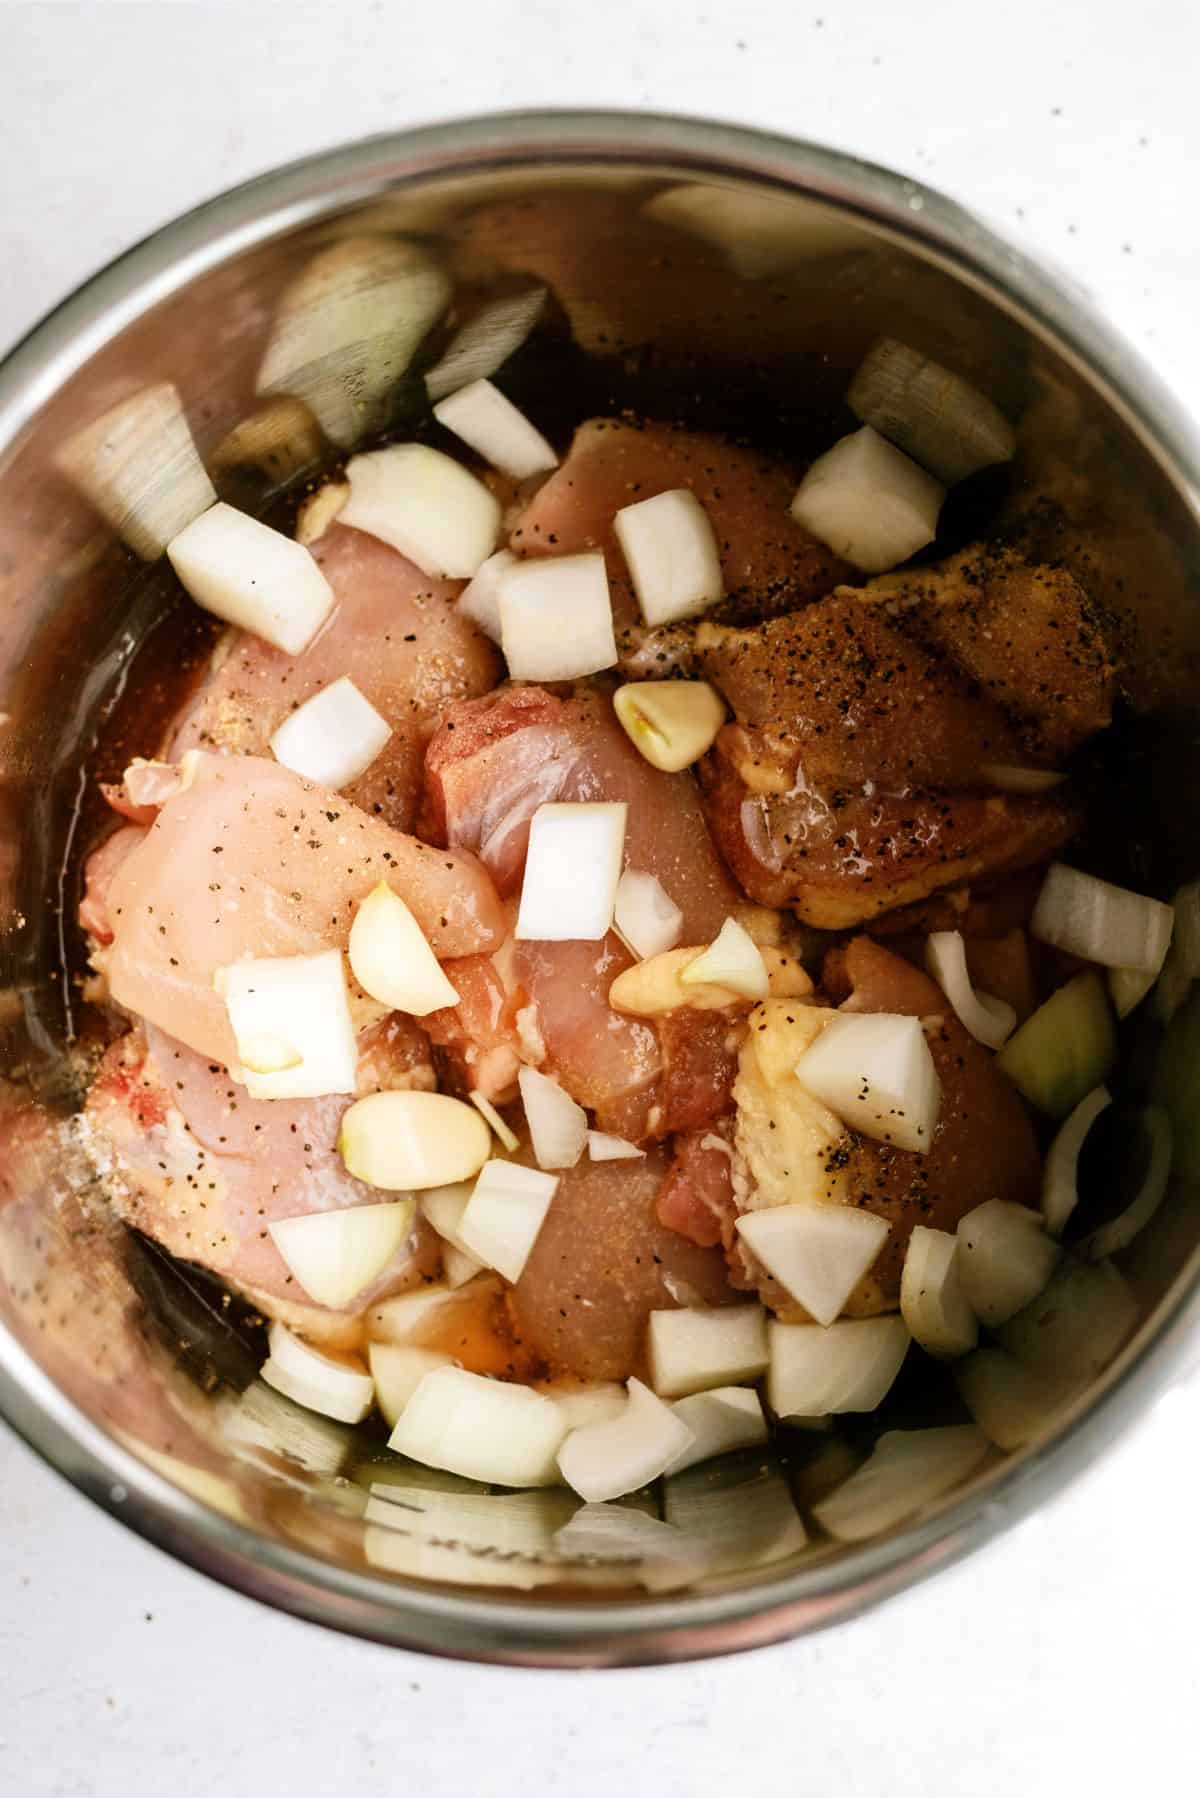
{"points": [[251, 860], [602, 1262], [193, 1162], [395, 632], [770, 563], [99, 870]]}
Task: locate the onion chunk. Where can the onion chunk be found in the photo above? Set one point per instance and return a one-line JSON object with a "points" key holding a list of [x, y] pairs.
{"points": [[1005, 1258], [1111, 1237], [818, 1252], [907, 1470], [721, 1419], [333, 737], [556, 617], [868, 502], [816, 1371], [604, 1461], [1100, 922], [426, 505], [290, 1016], [671, 552], [572, 869], [482, 1429], [489, 423], [397, 1371], [646, 916], [244, 572], [480, 598], [1060, 1173], [932, 1301], [558, 1127], [929, 412], [603, 1147], [138, 465], [990, 1021], [504, 1214], [698, 1347], [733, 962], [336, 1387], [335, 1255], [875, 1072], [1065, 1049]]}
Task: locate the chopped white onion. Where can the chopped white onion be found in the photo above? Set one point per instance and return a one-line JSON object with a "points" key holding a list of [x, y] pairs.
{"points": [[137, 464], [442, 1208], [1061, 1169], [333, 737], [556, 617], [721, 1420], [1120, 1231], [990, 1021], [347, 328], [486, 342], [397, 1371], [572, 869], [583, 1405], [875, 1072], [426, 505], [868, 502], [406, 1141], [1129, 986], [1100, 922], [319, 510], [1065, 1049], [1010, 1403], [907, 1470], [1075, 1326], [244, 572], [480, 598], [733, 961], [603, 1147], [816, 1371], [818, 1252], [290, 1017], [335, 1387], [1005, 1258], [336, 1254], [645, 914], [603, 1461], [483, 1105], [408, 1316], [558, 1127], [671, 551], [697, 1348], [929, 412], [483, 1429], [489, 423], [458, 1266], [672, 723], [932, 1301], [504, 1214], [1006, 779], [391, 959]]}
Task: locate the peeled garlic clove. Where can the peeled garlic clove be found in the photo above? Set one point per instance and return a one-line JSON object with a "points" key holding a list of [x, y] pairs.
{"points": [[391, 958], [672, 723], [407, 1141]]}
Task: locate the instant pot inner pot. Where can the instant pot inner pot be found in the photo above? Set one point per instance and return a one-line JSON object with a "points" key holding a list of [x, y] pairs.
{"points": [[720, 305]]}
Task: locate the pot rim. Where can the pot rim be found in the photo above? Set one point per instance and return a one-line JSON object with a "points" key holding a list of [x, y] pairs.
{"points": [[476, 1627]]}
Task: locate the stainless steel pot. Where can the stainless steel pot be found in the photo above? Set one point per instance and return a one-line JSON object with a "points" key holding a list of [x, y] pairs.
{"points": [[778, 271]]}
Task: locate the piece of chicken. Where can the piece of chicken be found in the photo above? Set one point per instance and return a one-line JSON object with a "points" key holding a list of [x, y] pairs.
{"points": [[249, 859], [769, 562], [789, 1147], [394, 631], [601, 1263], [1027, 633], [841, 860], [189, 1159]]}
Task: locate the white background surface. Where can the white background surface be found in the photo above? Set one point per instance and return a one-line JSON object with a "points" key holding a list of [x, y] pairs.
{"points": [[1064, 1659]]}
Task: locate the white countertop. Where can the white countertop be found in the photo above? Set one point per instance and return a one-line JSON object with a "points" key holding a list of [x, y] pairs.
{"points": [[1064, 1657]]}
